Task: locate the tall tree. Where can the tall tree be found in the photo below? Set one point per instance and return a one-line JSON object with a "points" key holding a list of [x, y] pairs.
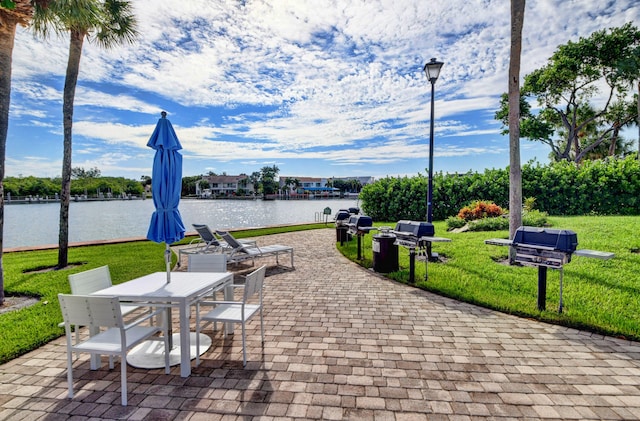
{"points": [[12, 14], [606, 63], [515, 170], [268, 180], [108, 23]]}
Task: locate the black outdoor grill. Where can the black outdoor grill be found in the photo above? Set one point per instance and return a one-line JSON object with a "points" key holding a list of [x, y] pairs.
{"points": [[410, 233], [416, 235], [359, 225], [342, 218], [546, 248]]}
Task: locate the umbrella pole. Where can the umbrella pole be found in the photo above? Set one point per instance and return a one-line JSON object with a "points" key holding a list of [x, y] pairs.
{"points": [[167, 256]]}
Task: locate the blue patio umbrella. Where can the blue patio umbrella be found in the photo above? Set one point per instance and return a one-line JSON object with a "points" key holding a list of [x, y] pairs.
{"points": [[166, 184]]}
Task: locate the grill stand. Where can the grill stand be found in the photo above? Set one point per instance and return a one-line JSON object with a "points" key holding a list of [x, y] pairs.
{"points": [[542, 287], [342, 234], [412, 266], [423, 242], [557, 264], [360, 232]]}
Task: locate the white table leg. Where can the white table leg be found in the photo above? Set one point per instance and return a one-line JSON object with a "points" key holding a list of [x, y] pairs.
{"points": [[185, 343], [228, 296]]}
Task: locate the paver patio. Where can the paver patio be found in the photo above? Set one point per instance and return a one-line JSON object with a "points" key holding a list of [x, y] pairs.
{"points": [[345, 343]]}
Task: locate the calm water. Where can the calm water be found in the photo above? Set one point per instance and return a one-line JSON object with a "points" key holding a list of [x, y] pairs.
{"points": [[37, 224]]}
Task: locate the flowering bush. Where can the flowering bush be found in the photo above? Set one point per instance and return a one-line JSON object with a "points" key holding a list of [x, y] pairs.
{"points": [[480, 209]]}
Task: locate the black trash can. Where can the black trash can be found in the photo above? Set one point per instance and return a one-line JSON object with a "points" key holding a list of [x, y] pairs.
{"points": [[385, 253]]}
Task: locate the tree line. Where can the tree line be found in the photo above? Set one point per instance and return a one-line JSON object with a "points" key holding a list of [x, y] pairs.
{"points": [[83, 183]]}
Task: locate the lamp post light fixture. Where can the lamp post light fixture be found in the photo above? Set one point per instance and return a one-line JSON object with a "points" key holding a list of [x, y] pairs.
{"points": [[432, 70]]}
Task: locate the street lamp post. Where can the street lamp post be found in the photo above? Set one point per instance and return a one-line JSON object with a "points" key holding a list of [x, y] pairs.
{"points": [[432, 70]]}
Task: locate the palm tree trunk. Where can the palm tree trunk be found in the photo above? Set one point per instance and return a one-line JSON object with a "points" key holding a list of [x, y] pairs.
{"points": [[515, 170], [71, 80], [7, 35]]}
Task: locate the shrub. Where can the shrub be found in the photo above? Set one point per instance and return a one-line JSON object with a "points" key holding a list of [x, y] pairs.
{"points": [[489, 224], [535, 218], [480, 209], [529, 204], [454, 222]]}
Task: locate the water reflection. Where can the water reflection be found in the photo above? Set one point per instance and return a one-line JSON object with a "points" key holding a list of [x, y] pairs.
{"points": [[37, 224]]}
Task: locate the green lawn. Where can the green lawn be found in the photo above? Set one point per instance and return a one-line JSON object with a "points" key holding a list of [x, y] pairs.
{"points": [[601, 296]]}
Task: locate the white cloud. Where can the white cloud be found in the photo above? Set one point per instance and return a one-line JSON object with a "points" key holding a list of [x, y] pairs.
{"points": [[299, 78]]}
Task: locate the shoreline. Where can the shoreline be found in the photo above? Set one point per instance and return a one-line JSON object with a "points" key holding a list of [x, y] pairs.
{"points": [[132, 239]]}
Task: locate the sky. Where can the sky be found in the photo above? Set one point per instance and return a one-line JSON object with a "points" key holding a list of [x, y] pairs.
{"points": [[318, 88]]}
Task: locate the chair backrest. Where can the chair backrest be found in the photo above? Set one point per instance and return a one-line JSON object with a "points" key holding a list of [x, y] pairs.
{"points": [[206, 235], [90, 281], [253, 283], [233, 243], [207, 262], [97, 311]]}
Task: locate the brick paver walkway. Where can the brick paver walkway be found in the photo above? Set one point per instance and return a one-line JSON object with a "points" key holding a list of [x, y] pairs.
{"points": [[345, 343]]}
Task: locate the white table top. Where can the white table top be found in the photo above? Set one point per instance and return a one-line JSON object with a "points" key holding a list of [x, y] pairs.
{"points": [[155, 286]]}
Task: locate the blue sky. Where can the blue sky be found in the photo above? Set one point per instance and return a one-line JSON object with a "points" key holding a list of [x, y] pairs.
{"points": [[317, 88]]}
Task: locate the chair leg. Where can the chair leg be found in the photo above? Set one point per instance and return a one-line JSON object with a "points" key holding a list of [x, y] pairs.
{"points": [[123, 377], [70, 373], [261, 326], [244, 347]]}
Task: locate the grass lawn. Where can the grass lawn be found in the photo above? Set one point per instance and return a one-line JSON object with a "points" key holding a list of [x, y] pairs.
{"points": [[600, 296]]}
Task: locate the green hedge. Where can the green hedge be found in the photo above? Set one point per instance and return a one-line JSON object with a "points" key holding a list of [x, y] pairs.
{"points": [[603, 187]]}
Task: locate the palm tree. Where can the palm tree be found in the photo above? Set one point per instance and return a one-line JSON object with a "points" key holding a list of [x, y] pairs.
{"points": [[108, 23], [515, 170], [12, 14]]}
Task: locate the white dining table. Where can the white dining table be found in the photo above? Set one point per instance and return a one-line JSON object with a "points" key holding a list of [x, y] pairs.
{"points": [[182, 292]]}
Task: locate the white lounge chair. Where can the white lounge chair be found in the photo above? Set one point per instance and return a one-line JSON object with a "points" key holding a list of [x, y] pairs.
{"points": [[207, 243], [241, 252]]}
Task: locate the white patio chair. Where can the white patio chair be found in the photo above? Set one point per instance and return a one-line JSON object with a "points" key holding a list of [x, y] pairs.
{"points": [[236, 311], [207, 263], [116, 340], [90, 281]]}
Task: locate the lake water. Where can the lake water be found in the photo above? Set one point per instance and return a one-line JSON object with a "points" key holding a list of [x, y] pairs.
{"points": [[38, 224]]}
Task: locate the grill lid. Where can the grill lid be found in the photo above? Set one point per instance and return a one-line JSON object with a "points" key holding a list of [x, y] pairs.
{"points": [[360, 221], [342, 215], [565, 241], [414, 229]]}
